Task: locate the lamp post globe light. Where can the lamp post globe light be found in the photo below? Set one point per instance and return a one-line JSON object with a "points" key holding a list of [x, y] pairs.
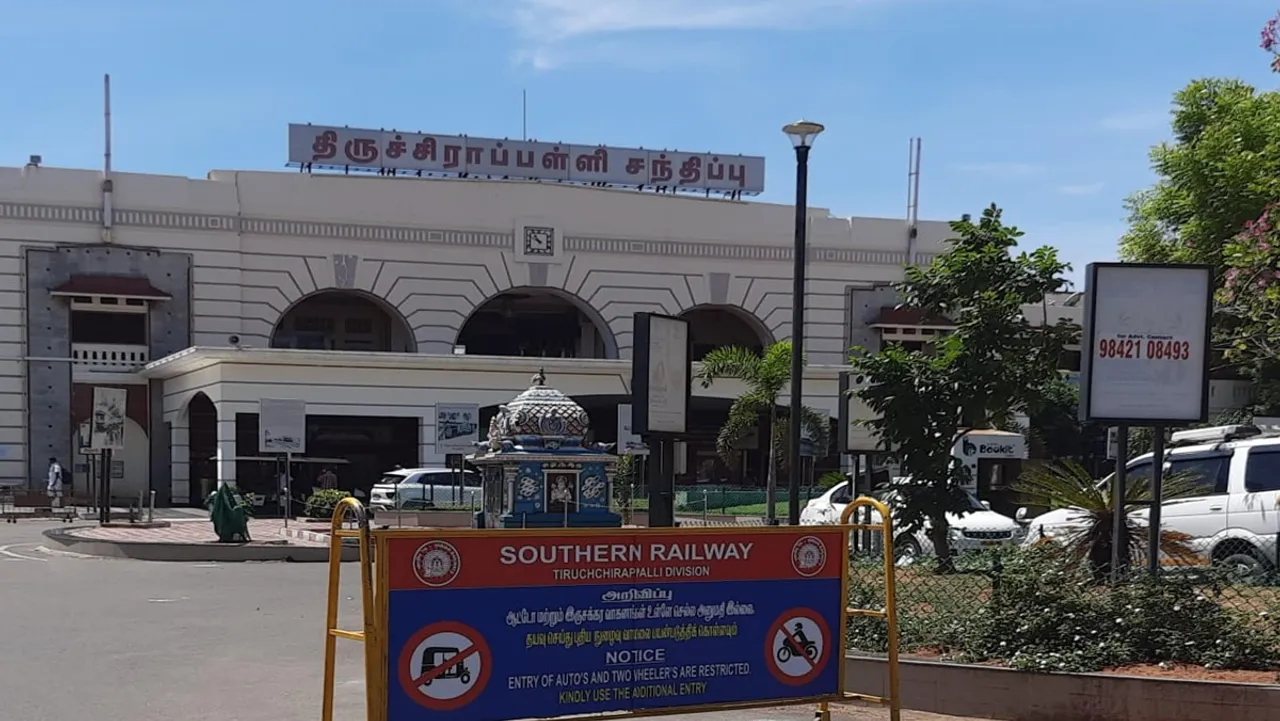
{"points": [[802, 134]]}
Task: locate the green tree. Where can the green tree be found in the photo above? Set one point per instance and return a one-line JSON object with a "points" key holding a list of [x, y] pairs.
{"points": [[991, 366], [766, 376], [1219, 171]]}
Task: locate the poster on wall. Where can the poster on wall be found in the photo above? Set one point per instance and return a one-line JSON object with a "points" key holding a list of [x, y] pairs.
{"points": [[457, 427], [660, 374], [629, 444], [282, 425], [106, 431], [1146, 344]]}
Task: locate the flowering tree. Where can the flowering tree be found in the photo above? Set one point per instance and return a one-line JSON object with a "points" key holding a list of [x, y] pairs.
{"points": [[1249, 296]]}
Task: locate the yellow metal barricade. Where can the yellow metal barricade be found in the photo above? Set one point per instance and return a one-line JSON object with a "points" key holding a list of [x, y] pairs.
{"points": [[351, 509], [890, 611], [373, 635]]}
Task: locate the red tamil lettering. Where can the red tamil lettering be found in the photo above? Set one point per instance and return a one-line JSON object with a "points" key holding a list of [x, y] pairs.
{"points": [[475, 156], [597, 162], [555, 159], [740, 175], [660, 169], [396, 147], [362, 150], [498, 156], [715, 169], [636, 166], [325, 146], [425, 150], [452, 156], [691, 170], [524, 158]]}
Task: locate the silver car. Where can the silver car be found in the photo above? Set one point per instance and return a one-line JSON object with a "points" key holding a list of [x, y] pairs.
{"points": [[417, 488]]}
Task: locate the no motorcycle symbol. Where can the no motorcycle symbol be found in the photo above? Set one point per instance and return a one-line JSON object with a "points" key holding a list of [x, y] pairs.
{"points": [[445, 666], [797, 647]]}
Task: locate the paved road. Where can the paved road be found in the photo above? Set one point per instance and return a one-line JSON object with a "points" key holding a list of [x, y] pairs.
{"points": [[87, 638]]}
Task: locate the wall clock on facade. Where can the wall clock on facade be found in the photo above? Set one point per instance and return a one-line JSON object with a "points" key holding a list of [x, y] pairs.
{"points": [[540, 241]]}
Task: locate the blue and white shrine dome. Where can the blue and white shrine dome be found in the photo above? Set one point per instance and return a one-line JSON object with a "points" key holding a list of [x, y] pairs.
{"points": [[540, 419]]}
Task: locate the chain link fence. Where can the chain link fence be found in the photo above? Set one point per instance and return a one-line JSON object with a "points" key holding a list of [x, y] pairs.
{"points": [[1055, 605]]}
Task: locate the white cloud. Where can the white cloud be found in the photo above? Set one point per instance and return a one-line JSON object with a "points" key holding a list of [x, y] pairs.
{"points": [[1124, 122], [555, 33], [628, 55], [1083, 188], [1000, 168]]}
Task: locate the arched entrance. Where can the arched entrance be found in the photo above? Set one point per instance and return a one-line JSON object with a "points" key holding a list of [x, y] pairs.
{"points": [[718, 326], [343, 320], [202, 446], [539, 323]]}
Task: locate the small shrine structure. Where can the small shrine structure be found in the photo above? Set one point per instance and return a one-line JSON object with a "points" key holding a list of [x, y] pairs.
{"points": [[538, 470]]}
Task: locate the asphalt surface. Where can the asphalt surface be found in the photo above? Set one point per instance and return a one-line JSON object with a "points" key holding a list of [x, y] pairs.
{"points": [[89, 638]]}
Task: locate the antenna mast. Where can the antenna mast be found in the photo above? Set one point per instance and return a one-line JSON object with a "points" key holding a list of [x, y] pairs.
{"points": [[913, 197], [107, 183], [524, 114]]}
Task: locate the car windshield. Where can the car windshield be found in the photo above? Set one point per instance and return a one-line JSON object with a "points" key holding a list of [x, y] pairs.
{"points": [[392, 479], [889, 496]]}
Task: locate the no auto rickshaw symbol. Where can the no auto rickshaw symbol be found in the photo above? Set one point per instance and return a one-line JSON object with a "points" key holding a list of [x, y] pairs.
{"points": [[445, 666]]}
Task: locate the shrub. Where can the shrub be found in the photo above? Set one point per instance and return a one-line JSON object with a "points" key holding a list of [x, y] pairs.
{"points": [[321, 503], [1044, 611]]}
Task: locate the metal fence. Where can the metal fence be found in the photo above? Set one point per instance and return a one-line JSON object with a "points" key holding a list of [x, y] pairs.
{"points": [[1054, 605], [728, 500]]}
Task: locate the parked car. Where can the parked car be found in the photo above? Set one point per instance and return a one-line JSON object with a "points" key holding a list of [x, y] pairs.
{"points": [[1234, 523], [980, 528], [418, 488]]}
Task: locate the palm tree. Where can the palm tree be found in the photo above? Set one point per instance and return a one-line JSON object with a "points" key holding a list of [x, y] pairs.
{"points": [[766, 375], [1068, 485]]}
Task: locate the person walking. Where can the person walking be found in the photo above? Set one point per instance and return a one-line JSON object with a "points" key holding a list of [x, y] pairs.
{"points": [[54, 484], [328, 479]]}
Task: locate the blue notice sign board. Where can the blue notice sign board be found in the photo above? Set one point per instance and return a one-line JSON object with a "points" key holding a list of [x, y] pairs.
{"points": [[490, 626]]}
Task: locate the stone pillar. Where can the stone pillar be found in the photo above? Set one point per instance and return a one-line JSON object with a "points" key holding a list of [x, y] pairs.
{"points": [[179, 460], [225, 463]]}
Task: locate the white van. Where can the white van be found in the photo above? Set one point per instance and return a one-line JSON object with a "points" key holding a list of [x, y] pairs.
{"points": [[1236, 522]]}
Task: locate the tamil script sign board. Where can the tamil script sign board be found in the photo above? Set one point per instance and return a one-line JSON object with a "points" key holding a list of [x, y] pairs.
{"points": [[353, 148], [282, 425], [1146, 344], [490, 627]]}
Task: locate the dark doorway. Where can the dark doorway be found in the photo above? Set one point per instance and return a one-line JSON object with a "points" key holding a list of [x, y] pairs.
{"points": [[717, 326], [343, 320], [358, 449], [202, 446]]}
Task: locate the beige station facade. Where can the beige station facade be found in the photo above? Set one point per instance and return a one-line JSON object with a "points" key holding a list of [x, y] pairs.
{"points": [[381, 297]]}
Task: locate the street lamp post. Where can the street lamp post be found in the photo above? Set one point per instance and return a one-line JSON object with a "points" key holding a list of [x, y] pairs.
{"points": [[802, 134]]}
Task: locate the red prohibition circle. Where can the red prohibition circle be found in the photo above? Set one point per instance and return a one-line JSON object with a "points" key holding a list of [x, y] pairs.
{"points": [[412, 684], [815, 667]]}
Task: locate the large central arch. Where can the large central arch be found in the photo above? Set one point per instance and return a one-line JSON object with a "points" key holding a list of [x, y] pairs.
{"points": [[718, 326], [537, 322], [351, 320]]}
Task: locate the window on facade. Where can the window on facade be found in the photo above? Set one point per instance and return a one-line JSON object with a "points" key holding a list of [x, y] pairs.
{"points": [[359, 326], [312, 324], [108, 328], [1262, 472]]}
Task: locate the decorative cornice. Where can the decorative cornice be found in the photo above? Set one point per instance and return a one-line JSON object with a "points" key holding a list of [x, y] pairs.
{"points": [[203, 222]]}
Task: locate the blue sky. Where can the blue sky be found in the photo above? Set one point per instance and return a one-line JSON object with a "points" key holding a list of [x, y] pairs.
{"points": [[1046, 108]]}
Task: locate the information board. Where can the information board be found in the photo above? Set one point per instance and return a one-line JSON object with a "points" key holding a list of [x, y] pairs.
{"points": [[496, 626], [1146, 344]]}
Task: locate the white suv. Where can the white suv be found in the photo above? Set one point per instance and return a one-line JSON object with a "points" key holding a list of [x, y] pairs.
{"points": [[1235, 522]]}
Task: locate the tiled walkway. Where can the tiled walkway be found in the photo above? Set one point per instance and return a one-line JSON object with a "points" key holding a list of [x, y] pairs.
{"points": [[200, 531]]}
